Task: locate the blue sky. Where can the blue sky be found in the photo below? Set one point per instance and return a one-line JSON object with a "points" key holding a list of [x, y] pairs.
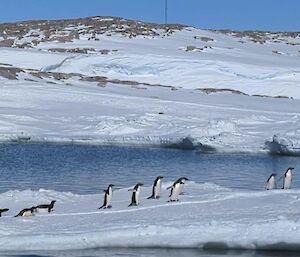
{"points": [[275, 15]]}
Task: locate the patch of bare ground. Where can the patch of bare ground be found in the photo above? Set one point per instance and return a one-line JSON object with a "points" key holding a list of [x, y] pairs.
{"points": [[261, 36], [37, 31]]}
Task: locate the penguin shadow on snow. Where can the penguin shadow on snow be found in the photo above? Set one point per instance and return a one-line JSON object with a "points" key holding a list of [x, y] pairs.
{"points": [[287, 180]]}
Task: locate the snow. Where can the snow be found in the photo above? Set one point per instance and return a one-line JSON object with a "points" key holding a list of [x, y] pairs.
{"points": [[207, 216], [168, 107]]}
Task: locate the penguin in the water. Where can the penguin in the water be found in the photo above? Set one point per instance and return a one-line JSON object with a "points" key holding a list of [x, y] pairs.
{"points": [[26, 212], [287, 180], [156, 188], [271, 182], [107, 197], [44, 208], [135, 194], [3, 210]]}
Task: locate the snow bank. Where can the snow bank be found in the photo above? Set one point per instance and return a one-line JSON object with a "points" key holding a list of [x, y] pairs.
{"points": [[207, 216], [286, 144]]}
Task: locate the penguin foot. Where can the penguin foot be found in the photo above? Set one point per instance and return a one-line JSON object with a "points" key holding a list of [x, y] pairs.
{"points": [[109, 206], [132, 204], [151, 197]]}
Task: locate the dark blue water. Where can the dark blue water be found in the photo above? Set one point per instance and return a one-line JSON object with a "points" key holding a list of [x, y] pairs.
{"points": [[88, 169]]}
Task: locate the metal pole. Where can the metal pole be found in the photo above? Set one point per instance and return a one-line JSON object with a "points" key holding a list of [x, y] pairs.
{"points": [[166, 11]]}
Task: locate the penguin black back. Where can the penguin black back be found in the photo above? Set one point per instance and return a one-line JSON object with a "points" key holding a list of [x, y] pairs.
{"points": [[3, 210]]}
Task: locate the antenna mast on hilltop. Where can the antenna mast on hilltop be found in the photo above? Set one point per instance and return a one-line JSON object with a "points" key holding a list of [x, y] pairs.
{"points": [[166, 11]]}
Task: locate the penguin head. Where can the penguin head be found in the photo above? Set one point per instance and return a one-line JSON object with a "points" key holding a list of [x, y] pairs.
{"points": [[160, 177], [53, 202], [291, 168], [139, 184], [111, 185], [183, 179]]}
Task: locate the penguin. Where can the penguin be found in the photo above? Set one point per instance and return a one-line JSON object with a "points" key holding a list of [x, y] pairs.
{"points": [[156, 188], [3, 210], [43, 208], [175, 190], [107, 197], [135, 194], [271, 182], [287, 180], [26, 212], [183, 180]]}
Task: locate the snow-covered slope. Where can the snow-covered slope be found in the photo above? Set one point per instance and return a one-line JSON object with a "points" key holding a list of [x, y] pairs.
{"points": [[111, 80], [207, 216]]}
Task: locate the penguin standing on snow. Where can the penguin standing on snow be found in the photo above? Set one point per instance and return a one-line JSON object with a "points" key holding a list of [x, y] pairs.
{"points": [[181, 185], [135, 194], [287, 180], [44, 208], [156, 188], [3, 210], [26, 212], [271, 182], [107, 197]]}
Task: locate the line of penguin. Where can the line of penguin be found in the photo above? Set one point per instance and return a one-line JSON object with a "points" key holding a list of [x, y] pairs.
{"points": [[176, 190]]}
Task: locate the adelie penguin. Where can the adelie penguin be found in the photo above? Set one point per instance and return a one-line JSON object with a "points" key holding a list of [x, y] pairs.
{"points": [[271, 182], [44, 208], [135, 195], [287, 178], [156, 188], [182, 180], [107, 197], [175, 190], [3, 210], [26, 212]]}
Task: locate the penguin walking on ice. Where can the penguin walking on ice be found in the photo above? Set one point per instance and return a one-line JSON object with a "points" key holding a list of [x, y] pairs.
{"points": [[271, 182], [3, 210], [287, 180], [135, 194], [26, 212], [107, 197], [156, 188], [181, 185], [44, 208], [176, 189]]}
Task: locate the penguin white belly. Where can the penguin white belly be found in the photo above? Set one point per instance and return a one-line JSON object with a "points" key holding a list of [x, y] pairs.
{"points": [[41, 210], [180, 188], [287, 181], [157, 189], [137, 196], [175, 192], [27, 214], [271, 183], [108, 200]]}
